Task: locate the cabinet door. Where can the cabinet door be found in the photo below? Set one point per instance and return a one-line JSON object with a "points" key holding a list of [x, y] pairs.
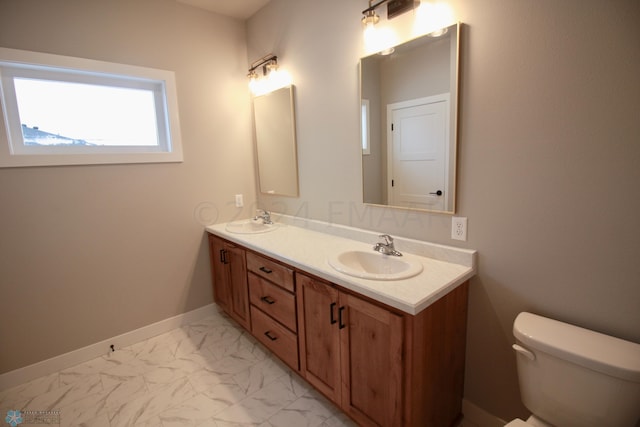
{"points": [[319, 335], [371, 350], [237, 274], [230, 289], [221, 286]]}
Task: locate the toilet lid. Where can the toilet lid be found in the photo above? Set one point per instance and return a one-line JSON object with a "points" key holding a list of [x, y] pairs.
{"points": [[518, 423]]}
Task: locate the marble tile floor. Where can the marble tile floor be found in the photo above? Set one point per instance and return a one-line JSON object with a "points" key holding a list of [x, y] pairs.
{"points": [[207, 373]]}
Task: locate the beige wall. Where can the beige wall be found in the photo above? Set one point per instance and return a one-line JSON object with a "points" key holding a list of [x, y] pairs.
{"points": [[90, 252], [549, 160]]}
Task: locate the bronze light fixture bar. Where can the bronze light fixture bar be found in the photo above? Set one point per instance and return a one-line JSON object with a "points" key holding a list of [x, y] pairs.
{"points": [[394, 8], [268, 62]]}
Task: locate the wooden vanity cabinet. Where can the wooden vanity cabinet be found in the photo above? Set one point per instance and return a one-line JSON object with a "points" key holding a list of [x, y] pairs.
{"points": [[381, 366], [230, 287], [351, 352]]}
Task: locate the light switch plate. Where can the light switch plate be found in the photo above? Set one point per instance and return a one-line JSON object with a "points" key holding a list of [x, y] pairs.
{"points": [[239, 201]]}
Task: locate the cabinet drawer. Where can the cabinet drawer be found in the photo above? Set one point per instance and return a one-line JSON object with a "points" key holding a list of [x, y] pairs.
{"points": [[271, 270], [273, 300], [275, 337]]}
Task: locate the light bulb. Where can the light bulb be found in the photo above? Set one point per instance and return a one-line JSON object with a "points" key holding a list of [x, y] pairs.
{"points": [[276, 79], [257, 86], [370, 18], [379, 39], [279, 78], [432, 16]]}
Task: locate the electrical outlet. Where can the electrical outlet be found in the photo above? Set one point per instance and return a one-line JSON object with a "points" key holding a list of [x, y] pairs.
{"points": [[239, 201], [459, 228]]}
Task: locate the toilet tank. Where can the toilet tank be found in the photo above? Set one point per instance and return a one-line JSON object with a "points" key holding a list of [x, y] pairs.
{"points": [[573, 377]]}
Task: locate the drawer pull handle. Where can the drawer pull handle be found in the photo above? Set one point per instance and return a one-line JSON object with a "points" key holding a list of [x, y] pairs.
{"points": [[341, 325], [223, 256], [268, 299], [333, 319], [271, 337], [266, 270]]}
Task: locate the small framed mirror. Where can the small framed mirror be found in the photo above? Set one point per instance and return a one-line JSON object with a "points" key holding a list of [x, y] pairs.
{"points": [[409, 116], [275, 134]]}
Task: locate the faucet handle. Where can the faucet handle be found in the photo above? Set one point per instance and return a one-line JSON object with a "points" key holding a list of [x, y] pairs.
{"points": [[388, 239], [264, 215]]}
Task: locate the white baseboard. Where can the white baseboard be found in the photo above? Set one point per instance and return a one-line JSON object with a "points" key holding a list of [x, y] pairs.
{"points": [[478, 417], [74, 357]]}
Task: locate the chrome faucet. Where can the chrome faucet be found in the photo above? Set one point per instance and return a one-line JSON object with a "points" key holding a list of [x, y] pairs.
{"points": [[387, 247], [264, 215]]}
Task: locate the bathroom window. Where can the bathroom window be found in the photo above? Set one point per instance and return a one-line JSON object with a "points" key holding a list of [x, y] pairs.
{"points": [[364, 122], [61, 111]]}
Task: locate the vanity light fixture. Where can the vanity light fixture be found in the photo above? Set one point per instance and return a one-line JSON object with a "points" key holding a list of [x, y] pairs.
{"points": [[370, 17], [382, 40], [271, 78], [268, 63], [394, 8]]}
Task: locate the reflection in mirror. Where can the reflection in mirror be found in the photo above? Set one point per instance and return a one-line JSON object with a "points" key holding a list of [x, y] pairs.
{"points": [[409, 120], [276, 142]]}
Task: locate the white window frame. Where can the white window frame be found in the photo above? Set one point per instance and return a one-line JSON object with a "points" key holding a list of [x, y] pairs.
{"points": [[19, 63]]}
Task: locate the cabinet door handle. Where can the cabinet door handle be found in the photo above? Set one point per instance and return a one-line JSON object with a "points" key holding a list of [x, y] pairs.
{"points": [[268, 299], [266, 270], [331, 307], [223, 256], [271, 337], [341, 325]]}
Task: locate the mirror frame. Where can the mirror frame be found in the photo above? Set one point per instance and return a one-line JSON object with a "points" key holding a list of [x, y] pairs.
{"points": [[454, 90], [274, 126]]}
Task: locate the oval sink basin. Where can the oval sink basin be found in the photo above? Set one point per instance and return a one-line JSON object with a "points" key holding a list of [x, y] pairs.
{"points": [[250, 226], [375, 266]]}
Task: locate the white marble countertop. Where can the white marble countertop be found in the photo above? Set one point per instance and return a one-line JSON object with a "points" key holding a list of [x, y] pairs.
{"points": [[307, 245]]}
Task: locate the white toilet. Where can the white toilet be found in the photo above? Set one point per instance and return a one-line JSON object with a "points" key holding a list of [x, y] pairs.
{"points": [[574, 377]]}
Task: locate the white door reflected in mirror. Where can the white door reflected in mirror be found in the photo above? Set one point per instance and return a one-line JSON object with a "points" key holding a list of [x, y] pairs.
{"points": [[417, 155]]}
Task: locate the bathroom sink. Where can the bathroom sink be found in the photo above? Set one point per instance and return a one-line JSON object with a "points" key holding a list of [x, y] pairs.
{"points": [[250, 226], [375, 266]]}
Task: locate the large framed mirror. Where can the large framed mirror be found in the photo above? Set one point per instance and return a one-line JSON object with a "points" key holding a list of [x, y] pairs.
{"points": [[275, 134], [409, 106]]}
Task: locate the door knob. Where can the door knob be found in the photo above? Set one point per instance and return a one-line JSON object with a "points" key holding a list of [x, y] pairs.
{"points": [[437, 193]]}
